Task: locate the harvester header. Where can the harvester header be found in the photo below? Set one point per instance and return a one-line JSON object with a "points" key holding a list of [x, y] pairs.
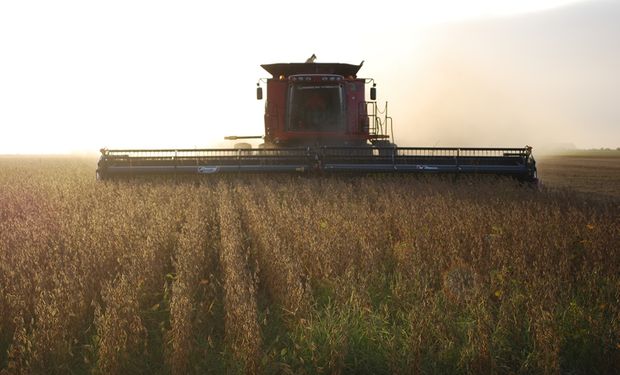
{"points": [[318, 119]]}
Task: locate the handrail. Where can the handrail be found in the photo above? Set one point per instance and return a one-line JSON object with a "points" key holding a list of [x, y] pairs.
{"points": [[382, 126]]}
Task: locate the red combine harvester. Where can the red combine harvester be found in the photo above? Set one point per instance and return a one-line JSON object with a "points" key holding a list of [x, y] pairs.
{"points": [[317, 120]]}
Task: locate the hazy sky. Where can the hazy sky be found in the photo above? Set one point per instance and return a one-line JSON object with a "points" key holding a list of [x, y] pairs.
{"points": [[81, 75]]}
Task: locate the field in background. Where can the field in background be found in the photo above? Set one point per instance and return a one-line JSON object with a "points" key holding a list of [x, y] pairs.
{"points": [[595, 171], [304, 275]]}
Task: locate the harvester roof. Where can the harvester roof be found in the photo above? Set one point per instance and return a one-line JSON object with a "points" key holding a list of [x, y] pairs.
{"points": [[288, 69]]}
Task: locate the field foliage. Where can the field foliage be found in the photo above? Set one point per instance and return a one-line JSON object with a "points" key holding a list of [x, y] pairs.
{"points": [[302, 275]]}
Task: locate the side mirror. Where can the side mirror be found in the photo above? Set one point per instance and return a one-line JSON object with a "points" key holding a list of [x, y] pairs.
{"points": [[373, 93], [259, 92]]}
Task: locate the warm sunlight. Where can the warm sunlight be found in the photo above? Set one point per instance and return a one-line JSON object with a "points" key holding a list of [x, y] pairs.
{"points": [[309, 187], [76, 76]]}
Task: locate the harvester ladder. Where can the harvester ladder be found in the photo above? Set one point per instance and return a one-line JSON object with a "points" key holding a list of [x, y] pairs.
{"points": [[380, 123]]}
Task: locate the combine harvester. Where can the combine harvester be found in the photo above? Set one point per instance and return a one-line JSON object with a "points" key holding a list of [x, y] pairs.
{"points": [[317, 120]]}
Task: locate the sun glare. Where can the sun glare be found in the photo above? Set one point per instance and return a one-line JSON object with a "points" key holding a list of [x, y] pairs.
{"points": [[80, 76]]}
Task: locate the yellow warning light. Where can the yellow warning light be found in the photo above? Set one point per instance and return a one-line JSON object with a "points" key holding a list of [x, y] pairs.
{"points": [[282, 77]]}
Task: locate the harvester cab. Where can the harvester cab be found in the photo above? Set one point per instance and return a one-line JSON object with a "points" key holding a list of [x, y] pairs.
{"points": [[317, 120], [321, 104]]}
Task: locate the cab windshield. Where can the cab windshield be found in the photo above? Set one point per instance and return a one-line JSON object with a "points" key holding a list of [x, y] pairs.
{"points": [[315, 108]]}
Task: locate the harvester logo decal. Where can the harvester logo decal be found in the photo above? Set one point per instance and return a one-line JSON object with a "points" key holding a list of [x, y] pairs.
{"points": [[207, 170]]}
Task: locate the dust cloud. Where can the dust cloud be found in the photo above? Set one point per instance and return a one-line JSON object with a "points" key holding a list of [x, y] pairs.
{"points": [[546, 79]]}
